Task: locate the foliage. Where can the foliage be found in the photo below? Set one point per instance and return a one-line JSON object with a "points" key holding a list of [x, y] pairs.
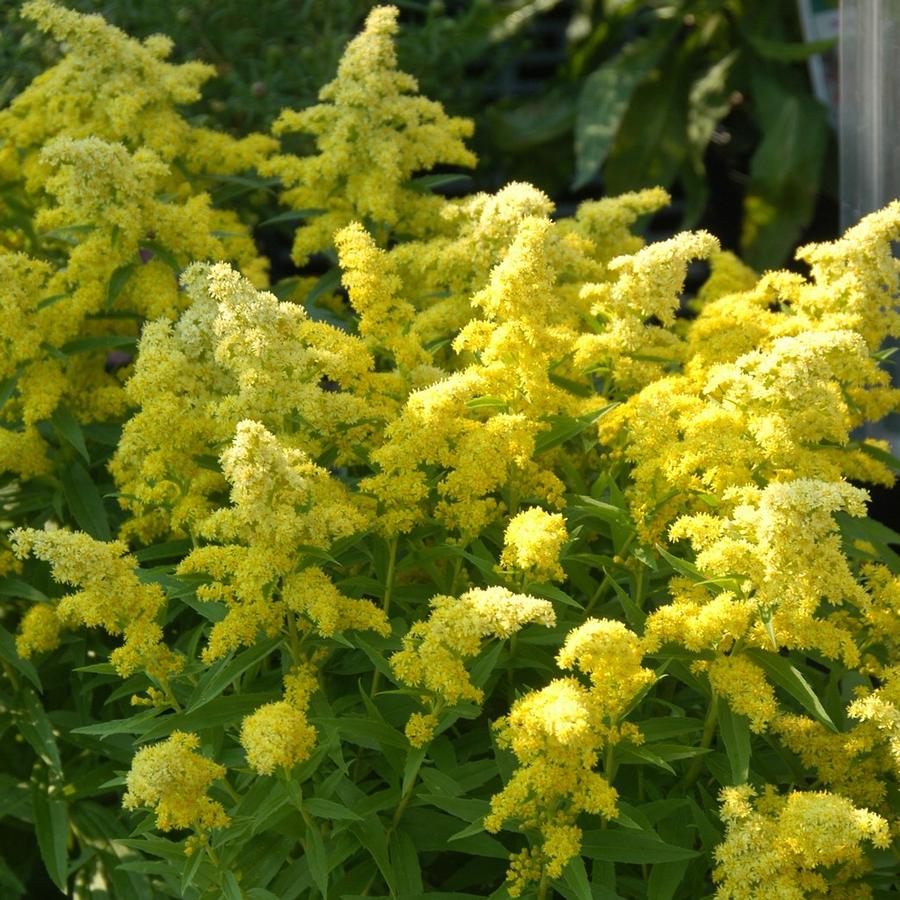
{"points": [[469, 568], [708, 95]]}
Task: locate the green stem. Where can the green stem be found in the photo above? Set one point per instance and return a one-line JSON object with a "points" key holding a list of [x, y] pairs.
{"points": [[544, 887], [709, 730], [170, 694], [386, 605], [293, 637]]}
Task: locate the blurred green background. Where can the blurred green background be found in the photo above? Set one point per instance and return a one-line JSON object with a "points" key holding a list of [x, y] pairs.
{"points": [[710, 98]]}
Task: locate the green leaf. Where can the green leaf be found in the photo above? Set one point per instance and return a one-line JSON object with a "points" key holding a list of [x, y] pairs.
{"points": [[216, 679], [784, 172], [328, 809], [51, 823], [651, 143], [36, 728], [68, 429], [576, 879], [782, 51], [329, 282], [782, 673], [317, 857], [365, 732], [405, 861], [12, 587], [735, 732], [370, 834], [7, 389], [117, 282], [631, 846], [231, 890], [604, 99], [426, 184], [100, 342], [84, 502], [165, 550], [9, 653], [564, 428], [588, 507], [293, 215]]}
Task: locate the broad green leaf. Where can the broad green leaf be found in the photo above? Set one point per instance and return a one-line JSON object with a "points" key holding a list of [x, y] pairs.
{"points": [[405, 861], [68, 429], [426, 184], [329, 282], [117, 282], [782, 673], [100, 342], [231, 890], [9, 653], [9, 880], [784, 172], [13, 587], [166, 550], [612, 845], [576, 879], [36, 728], [227, 670], [328, 809], [564, 428], [51, 822], [735, 731], [783, 51], [370, 834], [604, 99], [317, 857], [293, 215], [84, 502], [651, 143]]}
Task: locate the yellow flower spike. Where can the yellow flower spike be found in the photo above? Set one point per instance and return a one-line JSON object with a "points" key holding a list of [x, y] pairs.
{"points": [[373, 133], [647, 285], [610, 655], [276, 736], [384, 317], [110, 596], [435, 650], [533, 542], [557, 735], [173, 779], [881, 707], [39, 631], [777, 844]]}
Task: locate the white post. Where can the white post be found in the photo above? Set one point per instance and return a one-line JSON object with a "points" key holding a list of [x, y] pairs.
{"points": [[869, 106]]}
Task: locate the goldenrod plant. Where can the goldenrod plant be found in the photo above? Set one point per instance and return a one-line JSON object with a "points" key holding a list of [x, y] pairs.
{"points": [[484, 571]]}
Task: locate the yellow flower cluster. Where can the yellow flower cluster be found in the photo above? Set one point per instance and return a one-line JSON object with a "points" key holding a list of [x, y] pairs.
{"points": [[88, 153], [805, 844], [281, 504], [278, 735], [435, 649], [110, 596], [173, 779], [533, 542], [373, 132], [557, 735]]}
